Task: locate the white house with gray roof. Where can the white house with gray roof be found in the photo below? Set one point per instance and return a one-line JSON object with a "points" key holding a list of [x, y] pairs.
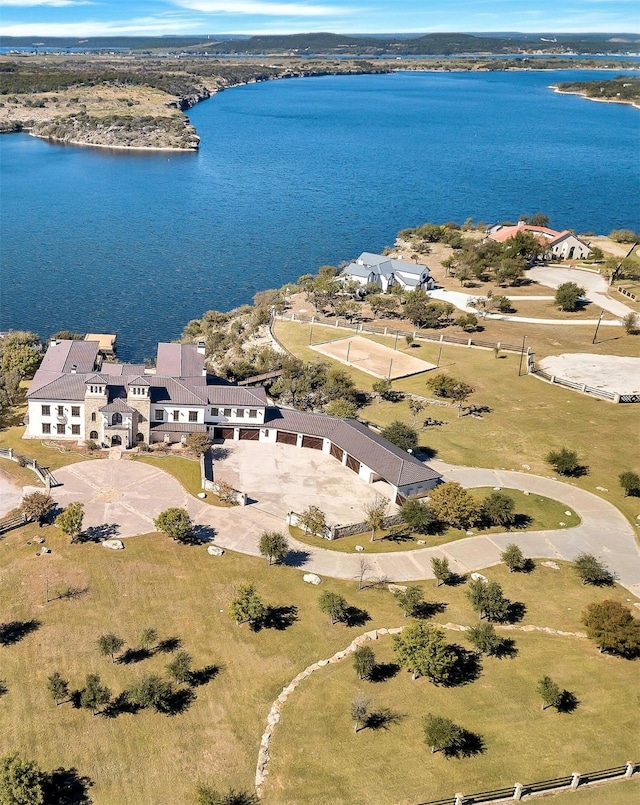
{"points": [[75, 396], [385, 272]]}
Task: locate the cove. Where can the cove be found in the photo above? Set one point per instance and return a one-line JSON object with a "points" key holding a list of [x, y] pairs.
{"points": [[292, 175]]}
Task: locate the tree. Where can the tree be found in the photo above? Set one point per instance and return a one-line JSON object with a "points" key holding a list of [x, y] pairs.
{"points": [[564, 461], [630, 323], [485, 638], [175, 523], [403, 436], [447, 386], [21, 781], [630, 482], [423, 650], [383, 388], [199, 443], [467, 321], [549, 692], [487, 600], [441, 570], [109, 644], [343, 409], [333, 605], [409, 599], [151, 691], [383, 305], [419, 516], [70, 520], [313, 521], [58, 688], [592, 571], [461, 394], [364, 661], [21, 353], [375, 512], [537, 219], [612, 628], [94, 696], [359, 710], [441, 734], [454, 505], [568, 295], [513, 558], [246, 606], [206, 795], [510, 270], [148, 638], [180, 666], [36, 506], [499, 508], [416, 407], [274, 545]]}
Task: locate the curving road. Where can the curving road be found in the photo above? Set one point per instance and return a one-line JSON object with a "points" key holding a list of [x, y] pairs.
{"points": [[122, 497]]}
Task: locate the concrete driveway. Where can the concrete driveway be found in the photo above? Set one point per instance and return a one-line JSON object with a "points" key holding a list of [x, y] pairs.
{"points": [[596, 287], [122, 497]]}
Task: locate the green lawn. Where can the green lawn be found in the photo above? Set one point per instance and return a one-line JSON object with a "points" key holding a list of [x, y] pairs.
{"points": [[152, 759], [545, 514], [184, 470], [528, 417]]}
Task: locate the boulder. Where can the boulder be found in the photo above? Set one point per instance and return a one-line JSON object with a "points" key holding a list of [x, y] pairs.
{"points": [[311, 578], [479, 577], [397, 588], [359, 548], [46, 550], [114, 544], [202, 495], [552, 565], [214, 550]]}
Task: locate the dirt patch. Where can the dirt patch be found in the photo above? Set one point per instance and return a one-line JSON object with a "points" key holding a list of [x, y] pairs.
{"points": [[372, 358]]}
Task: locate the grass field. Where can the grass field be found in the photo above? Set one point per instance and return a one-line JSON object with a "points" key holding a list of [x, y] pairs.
{"points": [[544, 514], [528, 417], [153, 759], [184, 470]]}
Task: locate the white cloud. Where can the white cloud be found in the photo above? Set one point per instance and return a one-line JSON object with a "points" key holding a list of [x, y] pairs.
{"points": [[57, 3], [257, 7], [151, 26]]}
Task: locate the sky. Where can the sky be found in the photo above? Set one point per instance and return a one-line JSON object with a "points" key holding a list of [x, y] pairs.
{"points": [[165, 17]]}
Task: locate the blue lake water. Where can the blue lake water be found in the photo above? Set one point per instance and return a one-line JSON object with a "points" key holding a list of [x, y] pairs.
{"points": [[292, 175]]}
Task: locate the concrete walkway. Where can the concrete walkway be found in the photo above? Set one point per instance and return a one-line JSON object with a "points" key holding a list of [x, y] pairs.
{"points": [[122, 498]]}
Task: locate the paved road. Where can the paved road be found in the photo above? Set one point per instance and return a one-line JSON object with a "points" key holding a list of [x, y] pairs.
{"points": [[127, 495], [596, 286]]}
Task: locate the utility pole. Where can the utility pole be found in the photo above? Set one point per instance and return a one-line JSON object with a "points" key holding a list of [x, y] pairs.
{"points": [[524, 337], [593, 340], [439, 354]]}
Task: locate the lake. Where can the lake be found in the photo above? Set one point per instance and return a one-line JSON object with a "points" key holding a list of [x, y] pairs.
{"points": [[292, 175]]}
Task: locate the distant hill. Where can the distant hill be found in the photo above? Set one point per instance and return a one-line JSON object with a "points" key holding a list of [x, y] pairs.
{"points": [[323, 43]]}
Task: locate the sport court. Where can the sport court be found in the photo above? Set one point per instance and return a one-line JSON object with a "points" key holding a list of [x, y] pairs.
{"points": [[373, 358]]}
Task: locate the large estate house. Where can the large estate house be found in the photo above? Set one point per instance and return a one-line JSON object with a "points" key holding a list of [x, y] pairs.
{"points": [[554, 245], [76, 396], [385, 272]]}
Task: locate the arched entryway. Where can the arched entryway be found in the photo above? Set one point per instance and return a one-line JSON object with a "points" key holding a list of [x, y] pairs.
{"points": [[139, 437], [116, 441], [93, 435]]}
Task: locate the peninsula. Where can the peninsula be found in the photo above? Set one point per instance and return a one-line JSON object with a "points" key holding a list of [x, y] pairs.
{"points": [[621, 89], [137, 101]]}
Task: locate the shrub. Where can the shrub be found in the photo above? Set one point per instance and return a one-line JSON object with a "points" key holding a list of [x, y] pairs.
{"points": [[564, 461], [591, 571]]}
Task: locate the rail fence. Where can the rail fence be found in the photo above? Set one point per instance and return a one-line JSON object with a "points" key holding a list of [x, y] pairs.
{"points": [[602, 394], [44, 473], [12, 522], [520, 791]]}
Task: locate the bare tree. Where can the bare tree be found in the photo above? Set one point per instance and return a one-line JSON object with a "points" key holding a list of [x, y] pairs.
{"points": [[375, 513]]}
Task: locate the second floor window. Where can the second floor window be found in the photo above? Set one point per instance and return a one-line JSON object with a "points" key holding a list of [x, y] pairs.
{"points": [[193, 416], [176, 416], [46, 410], [75, 410]]}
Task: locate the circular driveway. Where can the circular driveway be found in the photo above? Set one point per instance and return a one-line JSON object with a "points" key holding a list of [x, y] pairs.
{"points": [[122, 497]]}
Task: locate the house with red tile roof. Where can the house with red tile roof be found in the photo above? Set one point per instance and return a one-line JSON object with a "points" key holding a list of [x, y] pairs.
{"points": [[556, 245]]}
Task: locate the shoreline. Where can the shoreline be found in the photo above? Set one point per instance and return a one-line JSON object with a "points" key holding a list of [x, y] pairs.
{"points": [[190, 101], [582, 94], [77, 144]]}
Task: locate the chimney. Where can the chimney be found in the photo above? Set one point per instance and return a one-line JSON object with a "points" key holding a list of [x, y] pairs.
{"points": [[200, 347], [74, 368]]}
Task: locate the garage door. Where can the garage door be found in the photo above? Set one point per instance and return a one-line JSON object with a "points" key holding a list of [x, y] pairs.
{"points": [[286, 438], [314, 442], [249, 434], [337, 452], [223, 433], [400, 499], [353, 464]]}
